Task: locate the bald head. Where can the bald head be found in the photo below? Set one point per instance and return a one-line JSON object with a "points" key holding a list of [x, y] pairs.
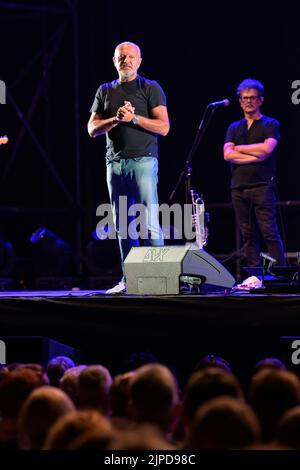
{"points": [[154, 395], [128, 43], [44, 406], [127, 59]]}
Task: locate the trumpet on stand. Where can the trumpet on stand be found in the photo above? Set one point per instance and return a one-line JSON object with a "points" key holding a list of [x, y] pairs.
{"points": [[200, 219]]}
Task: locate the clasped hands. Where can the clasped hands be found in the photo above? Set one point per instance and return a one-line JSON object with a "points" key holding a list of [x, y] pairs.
{"points": [[125, 113]]}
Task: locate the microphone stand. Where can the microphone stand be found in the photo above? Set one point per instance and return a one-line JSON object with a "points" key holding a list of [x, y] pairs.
{"points": [[186, 172]]}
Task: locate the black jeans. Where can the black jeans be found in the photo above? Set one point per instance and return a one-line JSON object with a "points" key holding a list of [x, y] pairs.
{"points": [[255, 209]]}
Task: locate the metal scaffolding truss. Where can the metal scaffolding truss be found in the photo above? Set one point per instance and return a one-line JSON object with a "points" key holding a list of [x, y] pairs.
{"points": [[67, 20]]}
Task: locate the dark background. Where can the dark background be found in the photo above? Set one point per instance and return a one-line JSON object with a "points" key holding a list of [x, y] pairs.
{"points": [[198, 53]]}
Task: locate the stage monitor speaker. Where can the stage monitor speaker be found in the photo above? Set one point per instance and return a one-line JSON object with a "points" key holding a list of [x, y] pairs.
{"points": [[39, 349], [157, 270]]}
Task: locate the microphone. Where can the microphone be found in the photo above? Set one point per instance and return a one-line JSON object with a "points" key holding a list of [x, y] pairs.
{"points": [[218, 104]]}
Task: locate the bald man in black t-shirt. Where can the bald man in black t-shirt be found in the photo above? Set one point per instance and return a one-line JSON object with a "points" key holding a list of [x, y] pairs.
{"points": [[131, 111], [250, 147]]}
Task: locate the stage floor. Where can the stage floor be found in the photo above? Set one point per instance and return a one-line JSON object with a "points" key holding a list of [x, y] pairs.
{"points": [[235, 309], [101, 293]]}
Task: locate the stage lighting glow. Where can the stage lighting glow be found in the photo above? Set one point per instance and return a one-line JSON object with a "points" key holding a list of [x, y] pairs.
{"points": [[52, 255]]}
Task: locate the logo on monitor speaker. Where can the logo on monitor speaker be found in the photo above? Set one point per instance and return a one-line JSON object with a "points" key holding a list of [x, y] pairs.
{"points": [[155, 255]]}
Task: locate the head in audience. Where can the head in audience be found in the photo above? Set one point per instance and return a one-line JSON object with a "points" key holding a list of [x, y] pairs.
{"points": [[56, 368], [3, 371], [66, 432], [269, 363], [15, 387], [206, 384], [272, 393], [223, 423], [143, 437], [120, 395], [210, 360], [69, 382], [154, 396], [41, 410], [38, 369], [94, 384], [288, 430]]}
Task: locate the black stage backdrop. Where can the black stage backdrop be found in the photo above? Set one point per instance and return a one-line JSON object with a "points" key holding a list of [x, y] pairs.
{"points": [[198, 53]]}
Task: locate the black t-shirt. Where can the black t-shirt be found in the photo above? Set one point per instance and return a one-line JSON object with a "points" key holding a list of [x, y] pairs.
{"points": [[127, 140], [253, 174]]}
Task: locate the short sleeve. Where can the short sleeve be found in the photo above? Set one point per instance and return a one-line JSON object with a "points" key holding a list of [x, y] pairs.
{"points": [[157, 96], [272, 129], [97, 106], [230, 134]]}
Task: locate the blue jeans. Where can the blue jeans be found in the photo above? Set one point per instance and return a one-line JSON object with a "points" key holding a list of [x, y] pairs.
{"points": [[255, 209], [136, 178]]}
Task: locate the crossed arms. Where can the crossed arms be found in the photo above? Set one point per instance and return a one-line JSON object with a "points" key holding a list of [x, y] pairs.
{"points": [[254, 153]]}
